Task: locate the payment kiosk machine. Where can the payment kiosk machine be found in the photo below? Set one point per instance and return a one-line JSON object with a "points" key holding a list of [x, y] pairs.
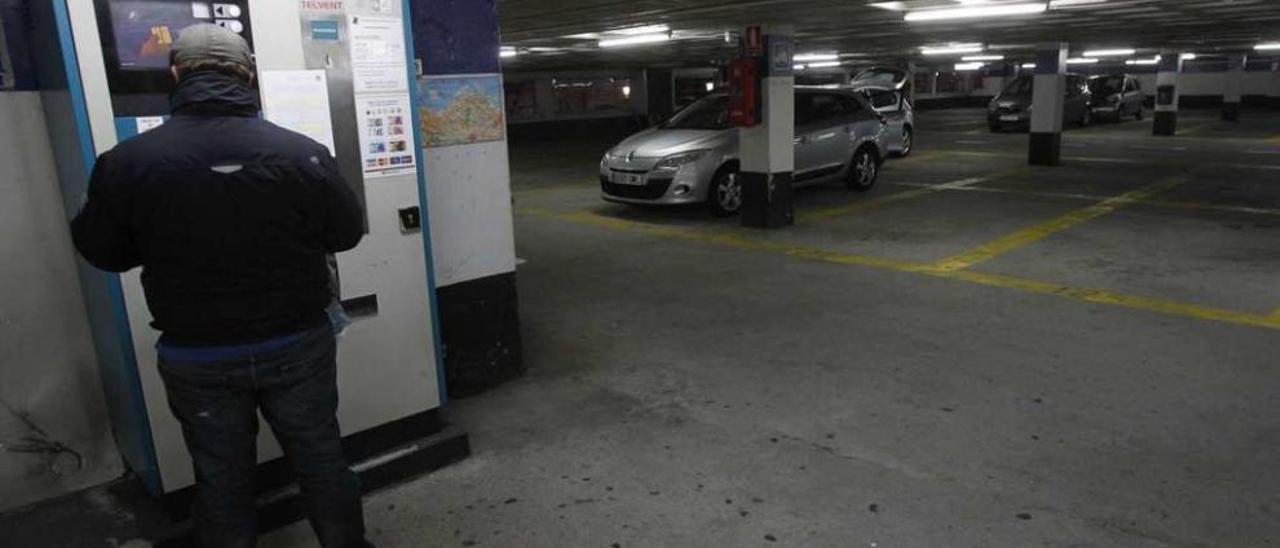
{"points": [[338, 71]]}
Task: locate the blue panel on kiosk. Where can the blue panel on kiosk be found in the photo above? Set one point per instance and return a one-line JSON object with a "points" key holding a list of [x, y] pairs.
{"points": [[67, 115], [411, 40]]}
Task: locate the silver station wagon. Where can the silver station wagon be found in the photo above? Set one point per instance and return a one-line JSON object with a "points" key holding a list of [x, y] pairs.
{"points": [[693, 157]]}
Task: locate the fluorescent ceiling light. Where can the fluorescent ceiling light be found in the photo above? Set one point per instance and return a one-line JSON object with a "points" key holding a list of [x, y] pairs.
{"points": [[954, 49], [825, 64], [1109, 52], [1081, 61], [585, 36], [969, 66], [711, 86], [982, 58], [634, 40], [1028, 65], [636, 31], [975, 12], [508, 53], [1272, 46], [891, 6], [817, 57], [542, 49], [798, 67], [1143, 62], [1187, 57]]}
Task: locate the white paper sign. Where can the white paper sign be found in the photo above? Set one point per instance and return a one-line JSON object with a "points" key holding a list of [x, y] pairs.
{"points": [[386, 135], [298, 100], [148, 123], [377, 41]]}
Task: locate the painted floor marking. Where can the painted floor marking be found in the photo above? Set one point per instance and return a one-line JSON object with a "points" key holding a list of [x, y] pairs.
{"points": [[864, 205], [1097, 198], [742, 241], [1028, 236]]}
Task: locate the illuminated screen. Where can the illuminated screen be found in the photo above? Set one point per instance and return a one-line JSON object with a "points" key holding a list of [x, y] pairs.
{"points": [[145, 30]]}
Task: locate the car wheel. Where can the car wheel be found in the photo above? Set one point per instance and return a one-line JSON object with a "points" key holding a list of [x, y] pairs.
{"points": [[908, 142], [864, 171], [725, 198]]}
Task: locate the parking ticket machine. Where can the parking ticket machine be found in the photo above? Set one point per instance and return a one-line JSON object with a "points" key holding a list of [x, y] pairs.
{"points": [[336, 71]]}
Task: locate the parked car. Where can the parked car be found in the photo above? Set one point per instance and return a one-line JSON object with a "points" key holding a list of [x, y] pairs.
{"points": [[1011, 109], [888, 90], [1117, 96], [899, 115], [693, 157]]}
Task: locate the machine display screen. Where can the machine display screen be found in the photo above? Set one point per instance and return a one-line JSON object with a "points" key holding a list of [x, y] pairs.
{"points": [[145, 30]]}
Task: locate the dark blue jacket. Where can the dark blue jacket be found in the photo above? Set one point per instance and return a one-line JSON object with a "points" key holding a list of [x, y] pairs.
{"points": [[229, 216]]}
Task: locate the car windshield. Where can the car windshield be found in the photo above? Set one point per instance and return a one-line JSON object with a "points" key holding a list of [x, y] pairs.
{"points": [[1020, 86], [1107, 86], [709, 113]]}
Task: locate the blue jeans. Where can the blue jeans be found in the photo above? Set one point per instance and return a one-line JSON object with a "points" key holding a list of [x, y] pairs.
{"points": [[296, 389]]}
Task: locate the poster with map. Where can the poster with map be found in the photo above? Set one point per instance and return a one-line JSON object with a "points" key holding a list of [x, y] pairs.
{"points": [[461, 110]]}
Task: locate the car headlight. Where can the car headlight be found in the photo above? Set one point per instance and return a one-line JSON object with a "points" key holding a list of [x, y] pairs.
{"points": [[676, 161]]}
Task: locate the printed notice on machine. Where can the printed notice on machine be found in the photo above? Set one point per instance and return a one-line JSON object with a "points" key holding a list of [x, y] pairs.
{"points": [[298, 100], [377, 41], [386, 137]]}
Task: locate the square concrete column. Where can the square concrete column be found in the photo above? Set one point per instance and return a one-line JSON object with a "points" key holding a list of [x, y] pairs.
{"points": [[1166, 116], [1233, 88], [1047, 96], [767, 151]]}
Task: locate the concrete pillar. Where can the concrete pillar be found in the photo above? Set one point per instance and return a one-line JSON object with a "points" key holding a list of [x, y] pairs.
{"points": [[1233, 88], [1166, 115], [1046, 104], [768, 149]]}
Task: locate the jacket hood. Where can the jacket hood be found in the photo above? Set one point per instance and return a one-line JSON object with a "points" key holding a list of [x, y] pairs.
{"points": [[660, 143], [210, 93]]}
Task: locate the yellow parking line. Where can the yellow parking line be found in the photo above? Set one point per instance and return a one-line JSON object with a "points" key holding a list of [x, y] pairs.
{"points": [[1025, 237], [821, 215], [1094, 198], [741, 241]]}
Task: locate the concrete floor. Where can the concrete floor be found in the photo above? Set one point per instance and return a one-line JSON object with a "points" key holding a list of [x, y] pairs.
{"points": [[1106, 379]]}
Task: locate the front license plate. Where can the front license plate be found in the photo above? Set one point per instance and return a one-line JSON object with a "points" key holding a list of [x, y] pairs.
{"points": [[1009, 118], [630, 179]]}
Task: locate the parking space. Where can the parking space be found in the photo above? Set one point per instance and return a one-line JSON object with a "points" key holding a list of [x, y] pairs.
{"points": [[1014, 355]]}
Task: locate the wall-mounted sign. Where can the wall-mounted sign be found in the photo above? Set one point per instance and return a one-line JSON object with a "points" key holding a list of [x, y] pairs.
{"points": [[782, 51], [298, 100]]}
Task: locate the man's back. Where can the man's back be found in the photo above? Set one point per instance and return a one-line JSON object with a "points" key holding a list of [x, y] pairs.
{"points": [[231, 218]]}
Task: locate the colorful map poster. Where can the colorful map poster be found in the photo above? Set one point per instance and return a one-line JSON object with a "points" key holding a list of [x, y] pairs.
{"points": [[461, 110]]}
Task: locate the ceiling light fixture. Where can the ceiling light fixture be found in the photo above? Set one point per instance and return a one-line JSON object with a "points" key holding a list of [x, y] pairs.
{"points": [[953, 49], [969, 66], [1030, 66], [974, 12], [637, 31], [1109, 52], [635, 40], [982, 58], [817, 57], [1081, 61], [891, 6], [508, 52], [1187, 57], [825, 64], [1143, 62], [1270, 46]]}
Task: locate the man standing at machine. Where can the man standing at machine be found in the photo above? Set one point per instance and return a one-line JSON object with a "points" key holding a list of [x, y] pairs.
{"points": [[231, 219]]}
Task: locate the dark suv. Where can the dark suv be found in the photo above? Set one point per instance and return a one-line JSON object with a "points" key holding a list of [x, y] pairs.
{"points": [[1012, 108]]}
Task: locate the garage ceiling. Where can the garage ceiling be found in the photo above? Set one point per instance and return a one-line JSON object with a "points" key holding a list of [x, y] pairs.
{"points": [[564, 33]]}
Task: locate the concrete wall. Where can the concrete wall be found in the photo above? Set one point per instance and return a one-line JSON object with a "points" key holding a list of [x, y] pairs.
{"points": [[47, 364]]}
